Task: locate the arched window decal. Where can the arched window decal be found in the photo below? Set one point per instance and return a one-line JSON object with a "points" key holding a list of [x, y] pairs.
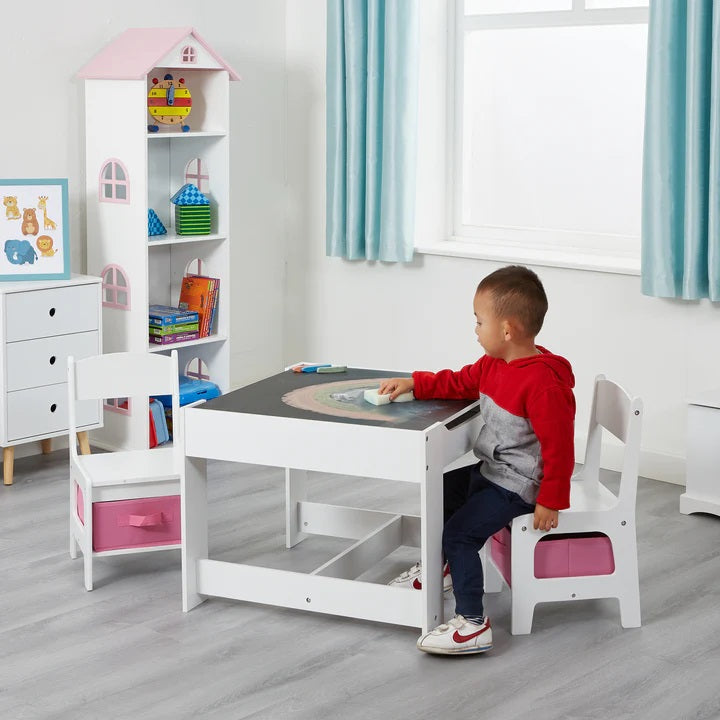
{"points": [[189, 54], [114, 182], [115, 288], [197, 173], [123, 406], [197, 369], [194, 267]]}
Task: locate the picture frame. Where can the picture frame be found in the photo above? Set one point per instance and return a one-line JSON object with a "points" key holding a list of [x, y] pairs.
{"points": [[34, 235]]}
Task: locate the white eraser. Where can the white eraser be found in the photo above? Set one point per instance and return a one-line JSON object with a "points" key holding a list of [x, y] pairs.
{"points": [[372, 396]]}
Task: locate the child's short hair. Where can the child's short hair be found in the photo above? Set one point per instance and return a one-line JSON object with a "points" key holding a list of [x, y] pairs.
{"points": [[517, 293]]}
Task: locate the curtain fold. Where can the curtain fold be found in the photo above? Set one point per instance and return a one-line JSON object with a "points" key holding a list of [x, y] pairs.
{"points": [[681, 161], [372, 92]]}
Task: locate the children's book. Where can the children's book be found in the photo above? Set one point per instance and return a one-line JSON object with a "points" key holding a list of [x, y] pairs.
{"points": [[176, 338], [198, 292], [174, 329], [160, 315]]}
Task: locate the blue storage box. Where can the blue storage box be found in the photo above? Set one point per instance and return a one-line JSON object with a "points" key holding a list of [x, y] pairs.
{"points": [[192, 390]]}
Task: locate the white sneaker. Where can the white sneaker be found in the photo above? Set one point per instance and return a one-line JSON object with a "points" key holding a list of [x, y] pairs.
{"points": [[458, 637], [412, 578]]}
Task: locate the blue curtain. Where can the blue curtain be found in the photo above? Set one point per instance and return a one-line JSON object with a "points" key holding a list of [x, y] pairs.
{"points": [[681, 163], [372, 74]]}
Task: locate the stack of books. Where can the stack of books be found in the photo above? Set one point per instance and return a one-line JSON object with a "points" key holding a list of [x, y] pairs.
{"points": [[169, 324], [200, 293]]}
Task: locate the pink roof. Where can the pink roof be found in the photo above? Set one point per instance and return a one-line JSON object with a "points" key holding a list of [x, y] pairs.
{"points": [[132, 55]]}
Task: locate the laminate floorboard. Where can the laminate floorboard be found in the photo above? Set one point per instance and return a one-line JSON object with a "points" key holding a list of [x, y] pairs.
{"points": [[126, 649]]}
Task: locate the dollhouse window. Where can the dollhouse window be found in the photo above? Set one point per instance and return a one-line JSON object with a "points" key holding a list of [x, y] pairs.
{"points": [[118, 405], [189, 54], [115, 288], [194, 267], [197, 369], [196, 172], [114, 182]]}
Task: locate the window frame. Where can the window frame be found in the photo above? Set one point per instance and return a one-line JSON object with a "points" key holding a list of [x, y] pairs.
{"points": [[585, 250]]}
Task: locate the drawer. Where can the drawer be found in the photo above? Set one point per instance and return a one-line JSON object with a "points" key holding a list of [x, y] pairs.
{"points": [[141, 522], [43, 410], [57, 311], [31, 363]]}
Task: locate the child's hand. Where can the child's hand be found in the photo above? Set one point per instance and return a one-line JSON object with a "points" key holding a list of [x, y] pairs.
{"points": [[396, 386], [545, 518]]}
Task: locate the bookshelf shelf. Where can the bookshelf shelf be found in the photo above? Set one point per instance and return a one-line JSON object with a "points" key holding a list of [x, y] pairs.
{"points": [[189, 343], [172, 239]]}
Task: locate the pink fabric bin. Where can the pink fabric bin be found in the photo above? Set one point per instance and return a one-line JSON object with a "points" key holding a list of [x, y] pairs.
{"points": [[140, 522], [559, 556]]}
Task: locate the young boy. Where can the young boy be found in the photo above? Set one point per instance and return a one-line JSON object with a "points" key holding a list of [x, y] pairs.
{"points": [[525, 448]]}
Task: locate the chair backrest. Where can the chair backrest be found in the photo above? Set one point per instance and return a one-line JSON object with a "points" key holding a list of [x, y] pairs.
{"points": [[120, 375], [620, 414]]}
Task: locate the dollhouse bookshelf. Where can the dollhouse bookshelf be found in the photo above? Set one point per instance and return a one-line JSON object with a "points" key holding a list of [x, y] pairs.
{"points": [[129, 170]]}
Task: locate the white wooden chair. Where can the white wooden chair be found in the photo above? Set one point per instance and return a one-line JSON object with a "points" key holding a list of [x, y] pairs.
{"points": [[132, 494], [593, 509]]}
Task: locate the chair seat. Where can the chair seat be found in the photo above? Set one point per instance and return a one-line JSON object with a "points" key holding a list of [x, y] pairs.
{"points": [[127, 467]]}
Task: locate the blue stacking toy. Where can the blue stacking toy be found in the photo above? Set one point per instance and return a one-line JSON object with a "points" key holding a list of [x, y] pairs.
{"points": [[155, 226]]}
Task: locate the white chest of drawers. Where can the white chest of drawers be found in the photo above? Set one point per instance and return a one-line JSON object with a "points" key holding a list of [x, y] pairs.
{"points": [[41, 324]]}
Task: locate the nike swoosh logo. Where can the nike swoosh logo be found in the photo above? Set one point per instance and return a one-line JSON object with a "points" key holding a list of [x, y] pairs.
{"points": [[458, 638], [417, 584]]}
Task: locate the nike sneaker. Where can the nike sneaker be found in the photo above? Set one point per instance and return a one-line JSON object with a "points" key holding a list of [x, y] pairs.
{"points": [[412, 578], [458, 637]]}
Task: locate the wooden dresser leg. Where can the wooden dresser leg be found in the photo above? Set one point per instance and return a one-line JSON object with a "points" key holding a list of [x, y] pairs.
{"points": [[84, 443], [8, 462], [46, 446]]}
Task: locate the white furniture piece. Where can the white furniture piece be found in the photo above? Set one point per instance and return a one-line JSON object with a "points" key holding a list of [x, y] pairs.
{"points": [[593, 509], [253, 425], [125, 501], [129, 171], [702, 488], [41, 324]]}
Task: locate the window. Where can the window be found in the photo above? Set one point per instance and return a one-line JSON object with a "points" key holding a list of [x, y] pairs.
{"points": [[114, 182], [197, 369], [115, 288], [196, 172], [118, 405], [549, 114], [189, 54]]}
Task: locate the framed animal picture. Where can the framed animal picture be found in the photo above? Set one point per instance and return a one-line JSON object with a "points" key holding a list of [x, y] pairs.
{"points": [[34, 236]]}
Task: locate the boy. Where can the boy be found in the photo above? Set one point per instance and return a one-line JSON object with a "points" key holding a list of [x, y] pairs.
{"points": [[525, 447]]}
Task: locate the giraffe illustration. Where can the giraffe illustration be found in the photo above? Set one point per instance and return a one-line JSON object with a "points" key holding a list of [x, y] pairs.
{"points": [[48, 224]]}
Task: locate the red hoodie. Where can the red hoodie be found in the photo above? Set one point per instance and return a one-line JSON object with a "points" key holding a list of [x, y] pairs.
{"points": [[527, 442]]}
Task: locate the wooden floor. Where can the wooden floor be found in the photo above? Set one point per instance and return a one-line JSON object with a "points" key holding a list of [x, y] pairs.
{"points": [[126, 650]]}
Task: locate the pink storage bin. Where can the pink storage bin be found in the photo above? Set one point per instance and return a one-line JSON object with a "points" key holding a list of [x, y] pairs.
{"points": [[560, 555], [140, 522]]}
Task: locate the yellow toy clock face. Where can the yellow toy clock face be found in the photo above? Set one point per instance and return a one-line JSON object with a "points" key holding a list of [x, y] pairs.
{"points": [[169, 102]]}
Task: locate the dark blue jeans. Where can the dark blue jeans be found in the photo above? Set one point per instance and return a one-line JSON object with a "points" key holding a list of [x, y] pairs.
{"points": [[475, 509]]}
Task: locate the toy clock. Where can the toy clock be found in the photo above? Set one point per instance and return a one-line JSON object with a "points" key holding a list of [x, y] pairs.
{"points": [[169, 103]]}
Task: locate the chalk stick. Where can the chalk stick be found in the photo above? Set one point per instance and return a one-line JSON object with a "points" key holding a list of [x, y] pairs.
{"points": [[372, 396], [332, 369]]}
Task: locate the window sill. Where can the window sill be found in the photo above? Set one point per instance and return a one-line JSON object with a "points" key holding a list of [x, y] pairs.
{"points": [[573, 258]]}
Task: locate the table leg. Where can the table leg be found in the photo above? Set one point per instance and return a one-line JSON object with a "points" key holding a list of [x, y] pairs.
{"points": [[295, 493], [193, 504], [431, 513], [46, 446], [8, 464]]}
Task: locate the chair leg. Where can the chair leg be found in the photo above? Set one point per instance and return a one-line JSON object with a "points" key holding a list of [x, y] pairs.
{"points": [[87, 563], [492, 576], [73, 546], [522, 615]]}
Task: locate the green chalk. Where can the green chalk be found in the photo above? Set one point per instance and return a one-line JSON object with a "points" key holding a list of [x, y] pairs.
{"points": [[332, 369]]}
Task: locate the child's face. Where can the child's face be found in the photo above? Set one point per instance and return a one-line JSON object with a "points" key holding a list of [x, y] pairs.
{"points": [[489, 328]]}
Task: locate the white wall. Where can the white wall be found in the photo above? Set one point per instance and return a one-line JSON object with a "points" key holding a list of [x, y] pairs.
{"points": [[420, 316], [42, 46]]}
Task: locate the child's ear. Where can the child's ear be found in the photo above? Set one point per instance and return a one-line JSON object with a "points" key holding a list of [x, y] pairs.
{"points": [[508, 330]]}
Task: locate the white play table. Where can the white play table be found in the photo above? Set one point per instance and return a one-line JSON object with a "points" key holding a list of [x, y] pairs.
{"points": [[253, 425]]}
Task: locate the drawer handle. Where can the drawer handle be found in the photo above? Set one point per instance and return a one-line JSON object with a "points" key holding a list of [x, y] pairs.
{"points": [[152, 520], [52, 359], [53, 407], [52, 312]]}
